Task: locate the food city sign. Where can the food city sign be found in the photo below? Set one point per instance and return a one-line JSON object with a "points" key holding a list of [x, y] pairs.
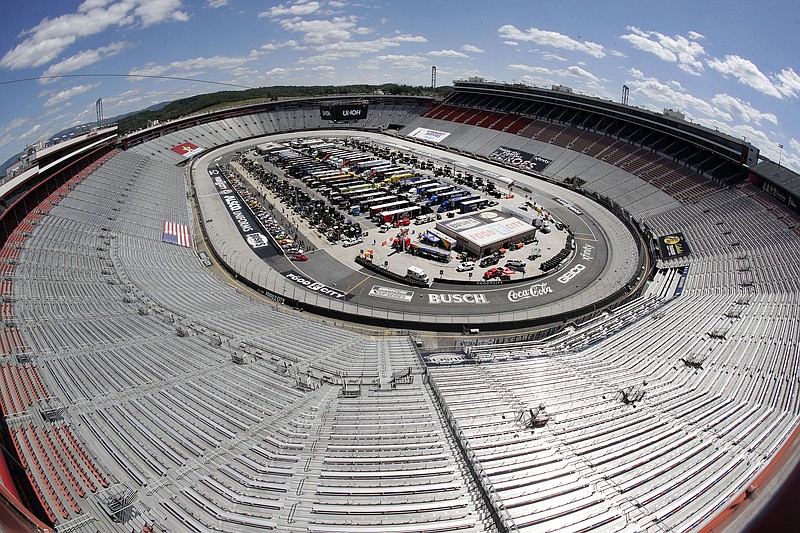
{"points": [[314, 286]]}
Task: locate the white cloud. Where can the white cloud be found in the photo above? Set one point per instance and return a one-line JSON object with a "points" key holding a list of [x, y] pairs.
{"points": [[535, 70], [322, 31], [695, 36], [553, 57], [636, 73], [550, 38], [328, 52], [746, 72], [766, 144], [281, 44], [293, 10], [742, 109], [196, 65], [30, 132], [88, 5], [51, 37], [14, 124], [676, 49], [406, 62], [544, 75], [149, 69], [511, 43], [67, 94], [84, 59], [795, 144], [789, 82], [217, 3], [581, 73], [324, 71], [214, 62], [446, 53], [617, 53], [472, 48], [672, 95], [155, 11]]}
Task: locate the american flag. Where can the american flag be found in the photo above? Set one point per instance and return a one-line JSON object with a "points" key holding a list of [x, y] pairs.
{"points": [[177, 234]]}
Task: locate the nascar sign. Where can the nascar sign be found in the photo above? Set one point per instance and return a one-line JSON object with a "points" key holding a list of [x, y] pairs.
{"points": [[187, 149], [391, 293], [424, 134]]}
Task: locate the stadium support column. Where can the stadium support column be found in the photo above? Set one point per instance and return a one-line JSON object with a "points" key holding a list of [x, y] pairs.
{"points": [[625, 91], [433, 81], [98, 106]]}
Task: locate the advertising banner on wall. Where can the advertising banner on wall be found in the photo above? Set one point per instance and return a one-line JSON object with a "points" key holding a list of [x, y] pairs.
{"points": [[518, 158], [425, 134], [789, 199], [673, 246], [187, 149]]}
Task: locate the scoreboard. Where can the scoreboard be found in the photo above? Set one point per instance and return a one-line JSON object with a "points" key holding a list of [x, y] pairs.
{"points": [[343, 111]]}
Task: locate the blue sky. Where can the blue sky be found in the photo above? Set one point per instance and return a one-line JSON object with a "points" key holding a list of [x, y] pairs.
{"points": [[725, 64]]}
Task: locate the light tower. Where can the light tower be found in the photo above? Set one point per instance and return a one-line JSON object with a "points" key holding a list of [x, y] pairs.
{"points": [[98, 106], [625, 92], [433, 81]]}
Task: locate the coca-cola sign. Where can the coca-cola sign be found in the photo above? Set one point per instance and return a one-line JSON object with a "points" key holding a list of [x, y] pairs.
{"points": [[533, 291]]}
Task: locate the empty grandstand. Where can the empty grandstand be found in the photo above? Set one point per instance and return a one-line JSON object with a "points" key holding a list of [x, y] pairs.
{"points": [[143, 391]]}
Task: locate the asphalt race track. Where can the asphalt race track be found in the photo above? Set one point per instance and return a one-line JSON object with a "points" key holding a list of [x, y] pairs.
{"points": [[604, 262]]}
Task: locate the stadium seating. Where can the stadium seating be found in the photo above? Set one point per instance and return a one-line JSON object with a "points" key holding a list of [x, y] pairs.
{"points": [[136, 340]]}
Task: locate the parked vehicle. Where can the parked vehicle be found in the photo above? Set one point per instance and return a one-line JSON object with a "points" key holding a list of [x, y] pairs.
{"points": [[352, 242], [416, 273], [502, 273], [489, 260], [535, 254], [465, 266], [516, 264]]}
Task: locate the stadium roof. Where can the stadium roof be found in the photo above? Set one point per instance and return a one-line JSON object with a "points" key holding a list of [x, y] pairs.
{"points": [[781, 176]]}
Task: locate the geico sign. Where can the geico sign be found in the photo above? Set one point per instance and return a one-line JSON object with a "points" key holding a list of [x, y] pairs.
{"points": [[467, 298], [571, 273]]}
